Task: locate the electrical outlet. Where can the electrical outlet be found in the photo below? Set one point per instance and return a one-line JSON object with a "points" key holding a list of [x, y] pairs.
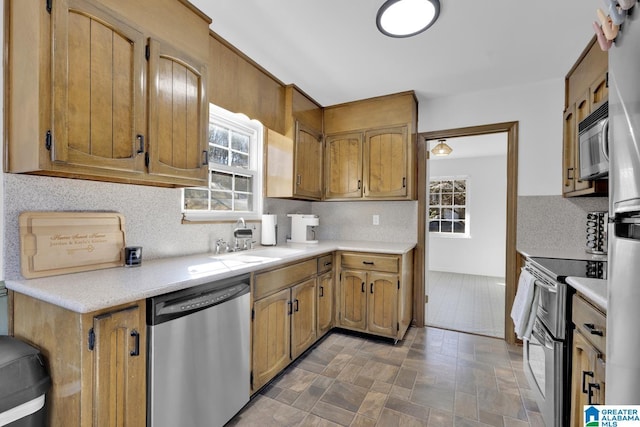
{"points": [[376, 220]]}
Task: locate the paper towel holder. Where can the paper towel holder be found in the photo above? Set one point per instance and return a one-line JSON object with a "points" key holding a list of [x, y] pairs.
{"points": [[269, 231]]}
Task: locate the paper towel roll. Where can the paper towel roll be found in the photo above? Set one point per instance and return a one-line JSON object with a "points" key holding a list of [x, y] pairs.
{"points": [[269, 227]]}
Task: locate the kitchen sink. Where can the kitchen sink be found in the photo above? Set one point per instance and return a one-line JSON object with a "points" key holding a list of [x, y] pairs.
{"points": [[237, 259]]}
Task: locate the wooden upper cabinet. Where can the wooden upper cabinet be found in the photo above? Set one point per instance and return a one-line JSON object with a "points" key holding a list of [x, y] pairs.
{"points": [[294, 160], [343, 165], [97, 89], [586, 88], [386, 163], [308, 162], [386, 126], [178, 115], [82, 99]]}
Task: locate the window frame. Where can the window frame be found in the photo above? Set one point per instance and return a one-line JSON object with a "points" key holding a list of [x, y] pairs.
{"points": [[241, 124], [467, 216]]}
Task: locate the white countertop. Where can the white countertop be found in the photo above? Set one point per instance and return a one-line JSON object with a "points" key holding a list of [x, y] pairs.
{"points": [[594, 289], [96, 290]]}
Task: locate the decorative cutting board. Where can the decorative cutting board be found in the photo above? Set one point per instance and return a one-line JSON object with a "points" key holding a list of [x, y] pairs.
{"points": [[53, 243]]}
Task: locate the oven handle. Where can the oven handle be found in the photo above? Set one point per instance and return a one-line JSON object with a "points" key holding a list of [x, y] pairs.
{"points": [[542, 337], [548, 288], [538, 282]]}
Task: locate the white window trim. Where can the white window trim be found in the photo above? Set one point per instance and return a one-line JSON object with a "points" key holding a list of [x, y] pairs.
{"points": [[467, 216], [241, 121]]}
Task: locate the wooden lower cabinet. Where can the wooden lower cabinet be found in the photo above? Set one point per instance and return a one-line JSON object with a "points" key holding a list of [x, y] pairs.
{"points": [[376, 293], [97, 361], [325, 303], [286, 315], [588, 363], [271, 337]]}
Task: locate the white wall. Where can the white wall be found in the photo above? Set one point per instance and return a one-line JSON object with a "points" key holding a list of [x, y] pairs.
{"points": [[483, 252], [538, 109]]}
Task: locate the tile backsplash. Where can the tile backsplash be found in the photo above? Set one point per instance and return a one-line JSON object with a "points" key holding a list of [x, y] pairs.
{"points": [[554, 222]]}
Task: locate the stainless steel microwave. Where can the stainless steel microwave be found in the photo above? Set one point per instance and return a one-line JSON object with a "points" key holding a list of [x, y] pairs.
{"points": [[593, 138]]}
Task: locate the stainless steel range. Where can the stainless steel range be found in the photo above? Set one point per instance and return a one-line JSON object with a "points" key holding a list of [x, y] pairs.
{"points": [[547, 355]]}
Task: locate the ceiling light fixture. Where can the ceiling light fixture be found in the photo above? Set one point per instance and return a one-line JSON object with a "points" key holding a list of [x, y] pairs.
{"points": [[406, 18], [442, 149]]}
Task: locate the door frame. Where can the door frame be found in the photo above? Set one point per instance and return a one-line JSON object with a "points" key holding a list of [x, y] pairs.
{"points": [[512, 262]]}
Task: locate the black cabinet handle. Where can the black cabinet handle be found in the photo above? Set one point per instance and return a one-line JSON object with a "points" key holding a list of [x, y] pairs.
{"points": [[140, 139], [328, 263], [584, 380], [205, 158], [592, 329], [367, 262], [359, 184], [136, 348], [590, 393], [404, 182], [363, 287], [297, 305], [371, 288], [321, 291]]}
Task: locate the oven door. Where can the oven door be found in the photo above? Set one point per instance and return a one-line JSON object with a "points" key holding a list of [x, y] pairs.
{"points": [[543, 359], [551, 307]]}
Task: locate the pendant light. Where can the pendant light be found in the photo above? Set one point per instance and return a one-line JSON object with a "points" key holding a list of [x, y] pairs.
{"points": [[406, 18], [442, 149]]}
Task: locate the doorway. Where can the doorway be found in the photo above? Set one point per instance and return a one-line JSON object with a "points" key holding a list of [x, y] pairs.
{"points": [[466, 214], [511, 264]]}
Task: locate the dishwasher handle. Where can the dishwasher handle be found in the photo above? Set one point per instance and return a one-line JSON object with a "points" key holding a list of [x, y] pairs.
{"points": [[186, 304]]}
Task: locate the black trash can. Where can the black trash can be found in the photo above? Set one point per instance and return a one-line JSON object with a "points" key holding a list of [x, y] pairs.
{"points": [[23, 384]]}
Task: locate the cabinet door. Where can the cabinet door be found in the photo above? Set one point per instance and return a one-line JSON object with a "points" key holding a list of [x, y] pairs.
{"points": [[325, 303], [582, 374], [599, 91], [353, 299], [271, 337], [343, 166], [382, 306], [308, 163], [570, 145], [178, 115], [303, 320], [119, 384], [98, 90], [386, 163]]}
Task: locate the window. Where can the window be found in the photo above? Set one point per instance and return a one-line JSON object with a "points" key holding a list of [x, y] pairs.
{"points": [[448, 211], [235, 170]]}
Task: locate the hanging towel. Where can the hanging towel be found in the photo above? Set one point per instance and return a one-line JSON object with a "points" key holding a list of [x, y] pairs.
{"points": [[525, 305]]}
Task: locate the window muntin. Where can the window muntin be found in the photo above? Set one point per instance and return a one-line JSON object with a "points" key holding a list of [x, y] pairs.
{"points": [[235, 169], [448, 211]]}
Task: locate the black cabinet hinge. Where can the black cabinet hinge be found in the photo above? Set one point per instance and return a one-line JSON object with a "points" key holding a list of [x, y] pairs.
{"points": [[92, 339], [146, 159], [147, 52], [48, 5], [253, 314], [397, 327], [251, 379], [398, 284], [47, 141]]}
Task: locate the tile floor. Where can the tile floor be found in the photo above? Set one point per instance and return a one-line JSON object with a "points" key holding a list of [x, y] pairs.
{"points": [[466, 302], [433, 377]]}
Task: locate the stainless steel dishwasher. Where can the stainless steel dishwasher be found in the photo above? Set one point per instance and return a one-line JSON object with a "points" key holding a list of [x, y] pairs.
{"points": [[198, 343]]}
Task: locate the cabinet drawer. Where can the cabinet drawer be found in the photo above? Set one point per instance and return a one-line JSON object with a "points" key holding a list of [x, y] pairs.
{"points": [[272, 281], [591, 322], [325, 263], [387, 263]]}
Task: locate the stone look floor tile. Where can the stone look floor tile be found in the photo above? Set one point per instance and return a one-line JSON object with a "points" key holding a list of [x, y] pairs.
{"points": [[434, 377]]}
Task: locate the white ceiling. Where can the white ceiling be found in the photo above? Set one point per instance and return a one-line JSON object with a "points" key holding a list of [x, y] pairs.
{"points": [[333, 51]]}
